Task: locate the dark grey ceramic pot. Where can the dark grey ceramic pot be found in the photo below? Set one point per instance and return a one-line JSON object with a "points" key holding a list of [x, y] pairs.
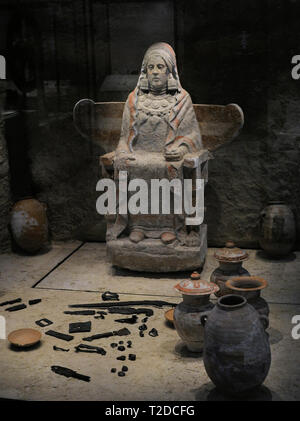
{"points": [[237, 353], [187, 320], [277, 229], [250, 287]]}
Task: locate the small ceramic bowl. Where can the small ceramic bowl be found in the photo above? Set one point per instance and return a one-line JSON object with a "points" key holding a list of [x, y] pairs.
{"points": [[24, 337], [169, 315]]}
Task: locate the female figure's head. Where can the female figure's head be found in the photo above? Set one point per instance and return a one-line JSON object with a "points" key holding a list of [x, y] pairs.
{"points": [[157, 72], [159, 69]]}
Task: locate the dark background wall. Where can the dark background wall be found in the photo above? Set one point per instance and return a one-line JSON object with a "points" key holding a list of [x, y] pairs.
{"points": [[238, 51]]}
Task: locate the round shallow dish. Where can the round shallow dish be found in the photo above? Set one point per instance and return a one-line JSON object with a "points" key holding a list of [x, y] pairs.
{"points": [[169, 315], [24, 337]]}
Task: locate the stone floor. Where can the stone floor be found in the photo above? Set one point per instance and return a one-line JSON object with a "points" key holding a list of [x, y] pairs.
{"points": [[75, 272]]}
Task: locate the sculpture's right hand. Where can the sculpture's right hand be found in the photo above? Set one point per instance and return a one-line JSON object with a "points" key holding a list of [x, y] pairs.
{"points": [[122, 158]]}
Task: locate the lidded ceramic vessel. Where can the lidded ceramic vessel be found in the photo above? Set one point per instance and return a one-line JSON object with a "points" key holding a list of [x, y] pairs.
{"points": [[237, 353], [277, 229], [193, 310], [250, 287], [230, 260]]}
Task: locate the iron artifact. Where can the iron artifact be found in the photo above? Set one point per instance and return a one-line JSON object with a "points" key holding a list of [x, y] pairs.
{"points": [[121, 332], [57, 348], [43, 322], [59, 335], [33, 302], [121, 348], [121, 374], [153, 332], [130, 310], [5, 303], [110, 296], [16, 308], [80, 327], [132, 357], [131, 320], [90, 348], [82, 312], [67, 372], [154, 303]]}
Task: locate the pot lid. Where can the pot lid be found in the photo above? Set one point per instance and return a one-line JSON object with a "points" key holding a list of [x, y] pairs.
{"points": [[196, 287], [231, 253]]}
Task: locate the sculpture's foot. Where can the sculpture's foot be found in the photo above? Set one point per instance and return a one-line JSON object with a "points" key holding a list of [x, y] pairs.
{"points": [[151, 255], [193, 239], [167, 237], [136, 236]]}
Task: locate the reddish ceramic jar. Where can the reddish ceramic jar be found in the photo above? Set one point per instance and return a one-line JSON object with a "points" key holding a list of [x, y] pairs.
{"points": [[192, 310], [230, 260]]}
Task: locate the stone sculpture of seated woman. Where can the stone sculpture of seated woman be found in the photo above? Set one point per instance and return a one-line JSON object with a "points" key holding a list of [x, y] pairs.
{"points": [[159, 139], [159, 129]]}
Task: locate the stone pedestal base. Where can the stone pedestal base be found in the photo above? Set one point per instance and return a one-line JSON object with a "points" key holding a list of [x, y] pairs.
{"points": [[151, 255]]}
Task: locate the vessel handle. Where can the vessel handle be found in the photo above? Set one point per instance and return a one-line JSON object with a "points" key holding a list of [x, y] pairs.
{"points": [[203, 319], [265, 321], [262, 214]]}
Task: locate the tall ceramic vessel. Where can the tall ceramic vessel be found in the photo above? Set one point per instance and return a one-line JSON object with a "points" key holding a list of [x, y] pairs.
{"points": [[193, 310], [277, 229], [230, 260], [250, 287], [29, 224], [237, 354]]}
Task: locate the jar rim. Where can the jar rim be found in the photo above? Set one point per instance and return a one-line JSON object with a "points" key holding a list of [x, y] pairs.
{"points": [[260, 283], [231, 302]]}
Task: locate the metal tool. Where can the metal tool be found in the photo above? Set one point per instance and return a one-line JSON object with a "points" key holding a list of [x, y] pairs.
{"points": [[67, 372]]}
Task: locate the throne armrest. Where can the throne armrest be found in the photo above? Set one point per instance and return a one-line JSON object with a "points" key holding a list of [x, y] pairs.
{"points": [[107, 160], [106, 163], [193, 160], [198, 162], [190, 160]]}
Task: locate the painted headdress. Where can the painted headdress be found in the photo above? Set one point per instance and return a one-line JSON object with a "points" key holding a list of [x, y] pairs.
{"points": [[167, 53]]}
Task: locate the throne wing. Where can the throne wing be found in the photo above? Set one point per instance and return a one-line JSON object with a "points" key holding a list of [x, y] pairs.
{"points": [[219, 124], [101, 122]]}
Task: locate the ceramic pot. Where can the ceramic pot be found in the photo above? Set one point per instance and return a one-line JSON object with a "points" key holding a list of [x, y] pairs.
{"points": [[277, 229], [250, 287], [237, 353], [230, 260], [29, 224], [192, 310]]}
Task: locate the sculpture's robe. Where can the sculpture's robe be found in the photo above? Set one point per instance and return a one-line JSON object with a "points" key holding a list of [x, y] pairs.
{"points": [[152, 125]]}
